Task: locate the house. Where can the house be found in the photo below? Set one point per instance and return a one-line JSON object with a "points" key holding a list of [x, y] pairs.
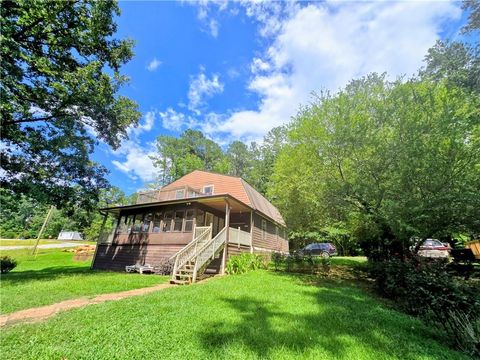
{"points": [[190, 222]]}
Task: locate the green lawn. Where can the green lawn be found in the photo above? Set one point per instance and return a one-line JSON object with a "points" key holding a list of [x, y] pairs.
{"points": [[31, 242], [53, 276], [259, 315]]}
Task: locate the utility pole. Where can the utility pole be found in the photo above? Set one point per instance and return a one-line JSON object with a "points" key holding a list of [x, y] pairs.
{"points": [[45, 223]]}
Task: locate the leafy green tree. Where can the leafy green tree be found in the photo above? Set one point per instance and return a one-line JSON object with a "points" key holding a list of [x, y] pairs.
{"points": [[263, 158], [60, 68], [239, 158], [400, 159], [191, 151], [458, 61]]}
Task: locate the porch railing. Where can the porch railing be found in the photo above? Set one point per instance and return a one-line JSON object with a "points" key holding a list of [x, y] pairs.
{"points": [[239, 237], [106, 237]]}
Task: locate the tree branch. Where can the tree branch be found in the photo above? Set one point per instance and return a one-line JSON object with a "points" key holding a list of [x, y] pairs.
{"points": [[28, 120]]}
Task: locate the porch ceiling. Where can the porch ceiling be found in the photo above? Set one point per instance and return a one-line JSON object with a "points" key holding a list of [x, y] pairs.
{"points": [[217, 202]]}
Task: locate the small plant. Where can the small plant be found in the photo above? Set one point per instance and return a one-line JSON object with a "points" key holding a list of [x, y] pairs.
{"points": [[165, 266], [277, 260], [7, 264], [239, 264]]}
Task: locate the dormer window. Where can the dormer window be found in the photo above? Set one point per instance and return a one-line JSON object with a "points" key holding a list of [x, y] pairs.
{"points": [[208, 189], [180, 194]]}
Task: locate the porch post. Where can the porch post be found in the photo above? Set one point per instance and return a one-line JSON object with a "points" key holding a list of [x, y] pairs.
{"points": [[227, 227], [100, 236], [251, 232]]}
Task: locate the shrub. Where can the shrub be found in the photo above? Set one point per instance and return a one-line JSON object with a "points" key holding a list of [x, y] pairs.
{"points": [[7, 264], [303, 264], [277, 260], [425, 288], [165, 266], [239, 264]]}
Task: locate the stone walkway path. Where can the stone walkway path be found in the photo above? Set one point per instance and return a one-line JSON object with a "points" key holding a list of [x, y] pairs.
{"points": [[44, 246], [44, 312]]}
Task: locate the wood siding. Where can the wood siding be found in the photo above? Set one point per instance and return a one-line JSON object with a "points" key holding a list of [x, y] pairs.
{"points": [[268, 239], [116, 257]]}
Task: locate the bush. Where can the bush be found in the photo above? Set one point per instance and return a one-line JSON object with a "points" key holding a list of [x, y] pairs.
{"points": [[301, 264], [7, 264], [425, 288], [165, 266], [239, 264]]}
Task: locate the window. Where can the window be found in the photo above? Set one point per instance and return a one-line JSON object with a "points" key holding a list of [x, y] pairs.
{"points": [[180, 194], [264, 229], [189, 220], [200, 217], [208, 189], [146, 222], [191, 193], [178, 221], [167, 221], [157, 217]]}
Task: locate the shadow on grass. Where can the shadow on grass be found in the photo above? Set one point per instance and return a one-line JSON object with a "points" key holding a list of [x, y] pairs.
{"points": [[336, 320]]}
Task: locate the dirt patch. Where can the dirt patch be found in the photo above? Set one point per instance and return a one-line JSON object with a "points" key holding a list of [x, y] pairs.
{"points": [[44, 312]]}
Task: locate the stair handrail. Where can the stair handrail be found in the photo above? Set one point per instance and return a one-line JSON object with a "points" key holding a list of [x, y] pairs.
{"points": [[188, 252], [209, 249]]}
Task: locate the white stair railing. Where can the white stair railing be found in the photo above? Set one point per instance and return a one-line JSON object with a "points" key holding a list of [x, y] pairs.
{"points": [[208, 251], [188, 252]]}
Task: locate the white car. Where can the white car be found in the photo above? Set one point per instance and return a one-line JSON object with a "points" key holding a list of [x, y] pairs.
{"points": [[433, 248]]}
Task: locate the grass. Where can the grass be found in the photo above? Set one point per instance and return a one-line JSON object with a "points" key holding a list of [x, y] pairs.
{"points": [[54, 276], [258, 315], [31, 242]]}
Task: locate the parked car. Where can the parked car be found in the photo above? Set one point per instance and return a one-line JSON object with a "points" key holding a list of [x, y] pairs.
{"points": [[319, 249], [434, 248]]}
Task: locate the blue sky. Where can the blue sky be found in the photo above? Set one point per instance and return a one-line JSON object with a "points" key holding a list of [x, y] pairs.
{"points": [[235, 70]]}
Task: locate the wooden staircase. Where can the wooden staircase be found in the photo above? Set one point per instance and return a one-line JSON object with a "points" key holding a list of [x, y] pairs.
{"points": [[193, 259]]}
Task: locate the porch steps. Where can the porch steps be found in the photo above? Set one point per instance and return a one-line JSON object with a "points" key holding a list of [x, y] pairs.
{"points": [[192, 261]]}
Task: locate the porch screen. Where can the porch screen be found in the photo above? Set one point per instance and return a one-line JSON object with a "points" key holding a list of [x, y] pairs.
{"points": [[167, 221], [178, 223], [189, 220], [156, 222], [146, 222], [137, 225], [200, 217]]}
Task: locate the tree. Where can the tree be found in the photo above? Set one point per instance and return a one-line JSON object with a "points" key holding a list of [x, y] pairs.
{"points": [[390, 160], [239, 158], [191, 151], [60, 69], [458, 61], [263, 158]]}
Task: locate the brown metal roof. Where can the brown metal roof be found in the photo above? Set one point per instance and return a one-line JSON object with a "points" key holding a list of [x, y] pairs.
{"points": [[234, 186], [224, 186]]}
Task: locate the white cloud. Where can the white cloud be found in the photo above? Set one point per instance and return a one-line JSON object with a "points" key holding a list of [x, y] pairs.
{"points": [[324, 45], [201, 88], [147, 125], [172, 120], [213, 27], [137, 163], [154, 64]]}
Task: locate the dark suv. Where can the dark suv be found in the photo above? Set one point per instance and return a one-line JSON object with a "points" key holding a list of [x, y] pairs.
{"points": [[319, 249]]}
